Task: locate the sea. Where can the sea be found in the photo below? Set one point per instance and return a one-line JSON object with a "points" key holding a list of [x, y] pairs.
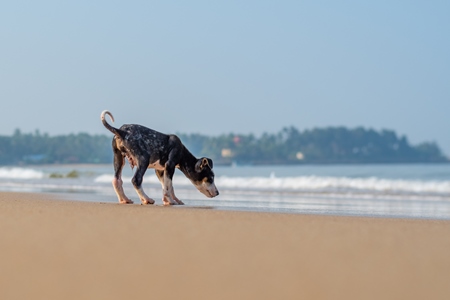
{"points": [[391, 190]]}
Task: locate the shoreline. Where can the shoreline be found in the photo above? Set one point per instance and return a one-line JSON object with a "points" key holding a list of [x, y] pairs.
{"points": [[401, 192], [202, 204], [64, 249]]}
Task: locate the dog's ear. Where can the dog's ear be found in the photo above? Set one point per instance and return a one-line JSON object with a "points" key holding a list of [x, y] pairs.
{"points": [[210, 163], [202, 163]]}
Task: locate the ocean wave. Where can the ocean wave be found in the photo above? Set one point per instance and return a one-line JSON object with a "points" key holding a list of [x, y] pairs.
{"points": [[335, 184], [317, 184], [20, 173], [303, 185]]}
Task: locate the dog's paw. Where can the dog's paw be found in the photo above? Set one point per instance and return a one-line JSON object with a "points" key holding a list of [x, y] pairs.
{"points": [[177, 201], [125, 201], [167, 201], [147, 201]]}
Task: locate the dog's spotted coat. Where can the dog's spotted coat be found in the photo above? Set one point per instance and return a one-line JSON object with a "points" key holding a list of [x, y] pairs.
{"points": [[146, 148]]}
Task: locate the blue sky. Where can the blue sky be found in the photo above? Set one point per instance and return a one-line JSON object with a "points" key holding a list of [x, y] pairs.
{"points": [[217, 67]]}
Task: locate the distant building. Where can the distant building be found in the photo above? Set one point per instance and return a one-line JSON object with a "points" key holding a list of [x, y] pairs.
{"points": [[227, 153]]}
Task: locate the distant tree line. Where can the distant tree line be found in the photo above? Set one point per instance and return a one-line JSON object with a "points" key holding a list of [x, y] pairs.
{"points": [[289, 146], [319, 145], [37, 148]]}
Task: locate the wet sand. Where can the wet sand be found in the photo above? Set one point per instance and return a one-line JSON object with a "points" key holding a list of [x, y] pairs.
{"points": [[58, 249]]}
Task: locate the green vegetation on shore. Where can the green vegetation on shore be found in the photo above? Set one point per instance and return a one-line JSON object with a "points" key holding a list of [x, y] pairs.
{"points": [[289, 146]]}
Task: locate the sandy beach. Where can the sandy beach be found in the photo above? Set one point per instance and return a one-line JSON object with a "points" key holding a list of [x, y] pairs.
{"points": [[58, 249]]}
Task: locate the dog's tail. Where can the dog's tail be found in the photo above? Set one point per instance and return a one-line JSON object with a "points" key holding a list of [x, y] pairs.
{"points": [[109, 127]]}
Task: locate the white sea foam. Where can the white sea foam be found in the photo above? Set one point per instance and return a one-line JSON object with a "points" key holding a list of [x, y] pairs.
{"points": [[20, 173], [335, 184], [305, 185], [104, 178], [317, 184]]}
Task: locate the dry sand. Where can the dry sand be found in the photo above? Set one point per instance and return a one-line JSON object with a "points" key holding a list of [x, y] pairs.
{"points": [[57, 249]]}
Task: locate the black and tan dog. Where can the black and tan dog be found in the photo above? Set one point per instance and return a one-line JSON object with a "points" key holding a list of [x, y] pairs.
{"points": [[146, 148]]}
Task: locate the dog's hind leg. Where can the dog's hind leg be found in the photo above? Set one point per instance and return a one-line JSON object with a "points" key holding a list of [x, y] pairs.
{"points": [[169, 197], [117, 182], [137, 183]]}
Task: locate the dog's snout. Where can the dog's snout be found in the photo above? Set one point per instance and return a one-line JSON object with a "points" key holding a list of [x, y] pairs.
{"points": [[214, 193]]}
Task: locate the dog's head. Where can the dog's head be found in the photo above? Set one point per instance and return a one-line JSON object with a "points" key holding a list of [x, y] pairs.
{"points": [[203, 177]]}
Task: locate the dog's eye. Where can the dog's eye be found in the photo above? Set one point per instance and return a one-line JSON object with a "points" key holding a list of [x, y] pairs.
{"points": [[208, 180]]}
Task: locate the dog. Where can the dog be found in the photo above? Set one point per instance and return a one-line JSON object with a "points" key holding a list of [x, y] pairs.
{"points": [[145, 148]]}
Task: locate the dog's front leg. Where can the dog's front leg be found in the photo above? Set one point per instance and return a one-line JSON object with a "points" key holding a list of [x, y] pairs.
{"points": [[178, 201], [168, 192], [137, 183]]}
